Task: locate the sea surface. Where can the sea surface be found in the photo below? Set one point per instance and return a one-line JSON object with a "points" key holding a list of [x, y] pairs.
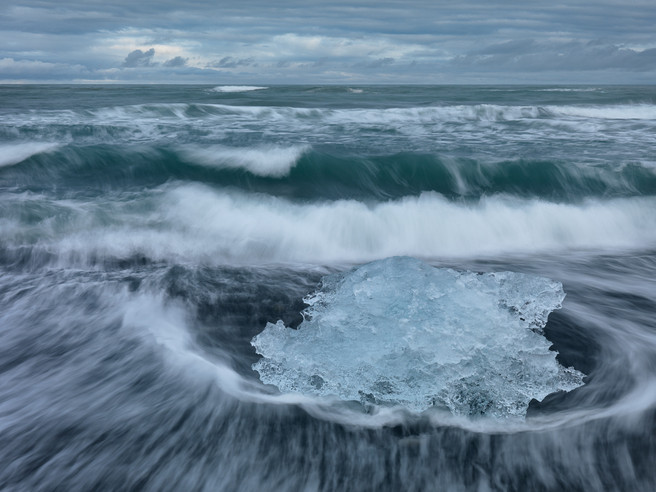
{"points": [[148, 234]]}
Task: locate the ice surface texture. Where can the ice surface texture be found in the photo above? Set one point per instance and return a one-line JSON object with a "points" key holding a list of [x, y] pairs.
{"points": [[399, 331]]}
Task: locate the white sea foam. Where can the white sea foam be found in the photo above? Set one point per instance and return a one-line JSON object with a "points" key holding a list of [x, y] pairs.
{"points": [[238, 88], [440, 115], [609, 112], [196, 223], [571, 89], [269, 229], [11, 154], [478, 122], [273, 161], [421, 115]]}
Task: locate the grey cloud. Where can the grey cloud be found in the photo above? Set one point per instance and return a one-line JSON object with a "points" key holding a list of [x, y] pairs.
{"points": [[18, 69], [378, 63], [506, 48], [529, 55], [178, 61], [321, 62], [420, 40], [230, 62], [138, 58], [469, 18]]}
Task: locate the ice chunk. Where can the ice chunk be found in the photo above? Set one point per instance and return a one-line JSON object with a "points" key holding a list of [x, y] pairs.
{"points": [[399, 331]]}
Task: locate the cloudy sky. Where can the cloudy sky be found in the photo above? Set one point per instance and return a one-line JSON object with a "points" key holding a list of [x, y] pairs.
{"points": [[331, 41]]}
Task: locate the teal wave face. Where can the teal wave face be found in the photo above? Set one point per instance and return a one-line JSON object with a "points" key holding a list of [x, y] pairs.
{"points": [[298, 172]]}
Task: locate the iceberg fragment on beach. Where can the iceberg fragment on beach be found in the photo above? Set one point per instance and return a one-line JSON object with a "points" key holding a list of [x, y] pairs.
{"points": [[399, 331]]}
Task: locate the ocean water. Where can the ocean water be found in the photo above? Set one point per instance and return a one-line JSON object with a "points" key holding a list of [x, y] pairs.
{"points": [[148, 234]]}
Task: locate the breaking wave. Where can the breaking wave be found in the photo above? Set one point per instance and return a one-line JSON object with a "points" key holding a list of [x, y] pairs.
{"points": [[186, 222], [615, 112], [300, 172], [134, 115], [269, 161], [237, 88], [15, 153]]}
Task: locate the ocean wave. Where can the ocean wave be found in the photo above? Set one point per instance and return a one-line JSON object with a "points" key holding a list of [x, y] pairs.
{"points": [[16, 153], [451, 113], [237, 88], [187, 222], [571, 89], [424, 114], [301, 172], [364, 116], [268, 161], [609, 112], [398, 128]]}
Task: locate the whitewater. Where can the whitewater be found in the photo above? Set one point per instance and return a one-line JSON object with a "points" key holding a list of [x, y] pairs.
{"points": [[327, 287]]}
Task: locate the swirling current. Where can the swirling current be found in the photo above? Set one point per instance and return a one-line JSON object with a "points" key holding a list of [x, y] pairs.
{"points": [[478, 265]]}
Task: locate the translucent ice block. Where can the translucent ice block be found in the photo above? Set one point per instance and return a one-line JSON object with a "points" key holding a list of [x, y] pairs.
{"points": [[399, 331]]}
